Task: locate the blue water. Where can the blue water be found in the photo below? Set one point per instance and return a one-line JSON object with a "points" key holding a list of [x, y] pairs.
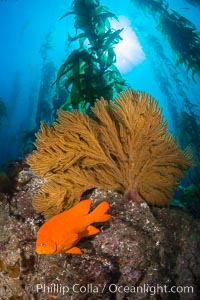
{"points": [[146, 61]]}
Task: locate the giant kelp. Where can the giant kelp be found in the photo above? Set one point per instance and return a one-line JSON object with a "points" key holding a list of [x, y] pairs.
{"points": [[159, 61], [194, 3], [90, 70], [188, 130], [188, 198], [178, 30], [44, 112], [124, 146], [184, 40], [157, 7]]}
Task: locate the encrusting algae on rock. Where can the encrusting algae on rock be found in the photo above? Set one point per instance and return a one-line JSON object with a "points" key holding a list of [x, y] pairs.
{"points": [[124, 146], [62, 232]]}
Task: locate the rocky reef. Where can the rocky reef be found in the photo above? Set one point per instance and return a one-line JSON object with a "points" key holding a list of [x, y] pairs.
{"points": [[141, 253]]}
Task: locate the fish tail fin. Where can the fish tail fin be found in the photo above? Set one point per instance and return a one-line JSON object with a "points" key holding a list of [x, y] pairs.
{"points": [[99, 213]]}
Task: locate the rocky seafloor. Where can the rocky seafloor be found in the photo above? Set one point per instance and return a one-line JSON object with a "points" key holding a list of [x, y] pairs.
{"points": [[140, 253]]}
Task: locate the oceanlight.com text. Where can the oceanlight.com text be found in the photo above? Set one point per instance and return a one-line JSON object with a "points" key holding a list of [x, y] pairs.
{"points": [[91, 288]]}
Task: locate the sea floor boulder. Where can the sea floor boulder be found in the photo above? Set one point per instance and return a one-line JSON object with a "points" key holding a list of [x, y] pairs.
{"points": [[141, 253]]}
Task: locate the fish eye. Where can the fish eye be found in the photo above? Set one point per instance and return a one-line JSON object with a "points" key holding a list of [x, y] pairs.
{"points": [[42, 245]]}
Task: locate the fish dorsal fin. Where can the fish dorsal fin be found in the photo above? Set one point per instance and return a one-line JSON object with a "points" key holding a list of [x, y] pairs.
{"points": [[79, 210], [82, 208]]}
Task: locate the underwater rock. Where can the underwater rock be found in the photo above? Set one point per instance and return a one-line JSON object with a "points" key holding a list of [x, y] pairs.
{"points": [[140, 247]]}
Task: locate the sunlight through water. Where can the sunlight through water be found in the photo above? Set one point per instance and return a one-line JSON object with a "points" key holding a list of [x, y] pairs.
{"points": [[129, 52]]}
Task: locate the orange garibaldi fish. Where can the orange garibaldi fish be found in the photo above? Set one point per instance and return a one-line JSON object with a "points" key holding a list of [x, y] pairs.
{"points": [[62, 232]]}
